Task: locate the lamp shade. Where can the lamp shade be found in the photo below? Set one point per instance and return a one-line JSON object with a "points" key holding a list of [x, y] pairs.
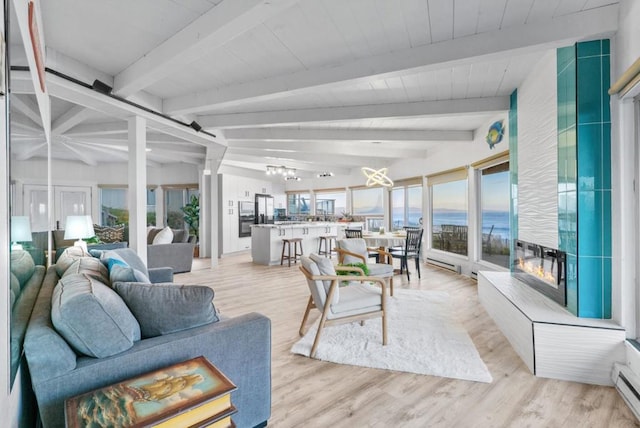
{"points": [[78, 227], [20, 229]]}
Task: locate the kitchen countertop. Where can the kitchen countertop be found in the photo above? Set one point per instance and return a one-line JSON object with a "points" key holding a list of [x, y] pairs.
{"points": [[301, 224]]}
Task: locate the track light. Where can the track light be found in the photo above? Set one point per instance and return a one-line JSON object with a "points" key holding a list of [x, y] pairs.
{"points": [[101, 87], [195, 125]]}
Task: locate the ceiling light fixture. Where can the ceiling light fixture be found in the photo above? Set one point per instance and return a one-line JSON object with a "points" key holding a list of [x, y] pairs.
{"points": [[281, 170], [101, 87], [378, 177], [325, 174], [292, 177]]}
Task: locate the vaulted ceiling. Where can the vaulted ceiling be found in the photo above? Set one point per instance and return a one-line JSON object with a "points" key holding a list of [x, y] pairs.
{"points": [[310, 84]]}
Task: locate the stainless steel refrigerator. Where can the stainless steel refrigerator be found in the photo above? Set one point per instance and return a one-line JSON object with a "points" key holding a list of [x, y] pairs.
{"points": [[264, 209]]}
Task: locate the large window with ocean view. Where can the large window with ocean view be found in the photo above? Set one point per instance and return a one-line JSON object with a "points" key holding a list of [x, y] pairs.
{"points": [[406, 206], [369, 203], [331, 203], [449, 212], [494, 197]]}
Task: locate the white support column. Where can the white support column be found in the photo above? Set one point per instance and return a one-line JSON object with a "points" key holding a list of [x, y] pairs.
{"points": [[214, 218], [159, 207], [138, 186]]}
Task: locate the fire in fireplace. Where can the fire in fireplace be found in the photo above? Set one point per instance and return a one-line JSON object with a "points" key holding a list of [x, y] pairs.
{"points": [[542, 268]]}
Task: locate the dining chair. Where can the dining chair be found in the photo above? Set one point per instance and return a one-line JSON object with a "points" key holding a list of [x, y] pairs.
{"points": [[411, 249], [355, 301]]}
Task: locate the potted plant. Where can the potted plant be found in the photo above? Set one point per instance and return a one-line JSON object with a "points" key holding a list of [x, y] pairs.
{"points": [[191, 216]]}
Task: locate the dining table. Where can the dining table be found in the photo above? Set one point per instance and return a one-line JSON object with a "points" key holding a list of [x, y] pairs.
{"points": [[385, 240]]}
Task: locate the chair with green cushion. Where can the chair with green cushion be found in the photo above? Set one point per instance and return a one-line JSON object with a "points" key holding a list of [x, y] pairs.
{"points": [[355, 250], [357, 301]]}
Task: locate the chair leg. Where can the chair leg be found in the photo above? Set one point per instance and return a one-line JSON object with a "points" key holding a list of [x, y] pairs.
{"points": [[289, 252], [310, 305], [391, 286], [282, 256], [406, 265], [316, 342], [418, 266]]}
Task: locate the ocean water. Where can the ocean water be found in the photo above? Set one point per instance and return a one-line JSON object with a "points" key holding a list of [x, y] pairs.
{"points": [[499, 220]]}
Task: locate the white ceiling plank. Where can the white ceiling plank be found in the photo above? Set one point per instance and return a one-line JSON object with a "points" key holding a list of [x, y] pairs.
{"points": [[28, 154], [426, 108], [289, 162], [219, 25], [465, 17], [69, 119], [542, 9], [28, 107], [384, 135], [416, 18], [102, 128], [81, 154], [336, 148], [490, 15], [569, 6], [441, 20], [467, 50], [516, 12]]}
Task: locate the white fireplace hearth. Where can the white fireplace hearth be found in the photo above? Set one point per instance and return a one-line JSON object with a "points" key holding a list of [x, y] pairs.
{"points": [[551, 341]]}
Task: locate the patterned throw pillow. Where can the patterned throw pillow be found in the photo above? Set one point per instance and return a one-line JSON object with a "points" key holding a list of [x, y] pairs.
{"points": [[108, 234]]}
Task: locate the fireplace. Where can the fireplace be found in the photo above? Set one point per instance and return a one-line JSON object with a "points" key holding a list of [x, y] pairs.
{"points": [[542, 268]]}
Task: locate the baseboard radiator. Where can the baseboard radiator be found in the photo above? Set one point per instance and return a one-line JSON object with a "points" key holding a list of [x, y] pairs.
{"points": [[446, 265], [628, 385]]}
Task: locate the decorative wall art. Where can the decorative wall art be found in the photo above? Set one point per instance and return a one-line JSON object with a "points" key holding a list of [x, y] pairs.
{"points": [[495, 133]]}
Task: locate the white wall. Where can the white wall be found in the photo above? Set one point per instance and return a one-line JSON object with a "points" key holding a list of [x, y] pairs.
{"points": [[236, 188], [538, 154], [626, 50]]}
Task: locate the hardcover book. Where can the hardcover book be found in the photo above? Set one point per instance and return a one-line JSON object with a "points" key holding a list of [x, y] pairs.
{"points": [[190, 393]]}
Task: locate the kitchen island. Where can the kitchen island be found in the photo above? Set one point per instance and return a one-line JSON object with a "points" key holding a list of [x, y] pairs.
{"points": [[266, 239]]}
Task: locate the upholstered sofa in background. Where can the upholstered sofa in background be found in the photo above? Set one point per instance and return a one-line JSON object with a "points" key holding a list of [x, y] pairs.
{"points": [[61, 367], [177, 254]]}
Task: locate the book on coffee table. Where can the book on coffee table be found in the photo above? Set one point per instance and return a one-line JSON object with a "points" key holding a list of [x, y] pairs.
{"points": [[192, 393]]}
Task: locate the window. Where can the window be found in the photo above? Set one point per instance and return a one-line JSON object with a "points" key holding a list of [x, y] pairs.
{"points": [[369, 203], [406, 206], [449, 219], [151, 207], [494, 202], [176, 198], [331, 203], [298, 204], [113, 206]]}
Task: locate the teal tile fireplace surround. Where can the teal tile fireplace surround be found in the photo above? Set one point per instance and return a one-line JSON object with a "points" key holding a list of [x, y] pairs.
{"points": [[584, 175]]}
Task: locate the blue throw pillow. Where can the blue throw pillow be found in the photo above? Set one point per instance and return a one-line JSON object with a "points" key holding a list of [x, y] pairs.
{"points": [[166, 307], [91, 317]]}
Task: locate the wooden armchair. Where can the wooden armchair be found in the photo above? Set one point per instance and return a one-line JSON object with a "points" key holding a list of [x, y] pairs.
{"points": [[355, 250], [356, 301]]}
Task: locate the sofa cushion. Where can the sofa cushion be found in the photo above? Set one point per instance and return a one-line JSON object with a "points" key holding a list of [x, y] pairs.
{"points": [[165, 236], [151, 234], [109, 234], [120, 271], [15, 288], [180, 235], [166, 307], [91, 317], [68, 257], [90, 266], [22, 266]]}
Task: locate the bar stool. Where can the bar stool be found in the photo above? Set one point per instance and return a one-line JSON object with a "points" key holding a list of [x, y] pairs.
{"points": [[287, 243], [329, 242]]}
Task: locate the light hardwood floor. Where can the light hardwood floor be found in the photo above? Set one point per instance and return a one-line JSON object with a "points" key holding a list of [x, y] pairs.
{"points": [[311, 393]]}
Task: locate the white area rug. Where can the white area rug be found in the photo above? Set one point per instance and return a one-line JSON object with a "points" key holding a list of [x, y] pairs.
{"points": [[424, 338]]}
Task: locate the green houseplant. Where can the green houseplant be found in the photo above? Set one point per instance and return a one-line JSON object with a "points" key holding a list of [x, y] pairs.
{"points": [[191, 216]]}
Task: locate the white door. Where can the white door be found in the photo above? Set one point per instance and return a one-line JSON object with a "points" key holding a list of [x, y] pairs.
{"points": [[67, 200], [70, 200]]}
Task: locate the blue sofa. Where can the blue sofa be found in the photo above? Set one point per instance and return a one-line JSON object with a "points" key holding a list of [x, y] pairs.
{"points": [[240, 347]]}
